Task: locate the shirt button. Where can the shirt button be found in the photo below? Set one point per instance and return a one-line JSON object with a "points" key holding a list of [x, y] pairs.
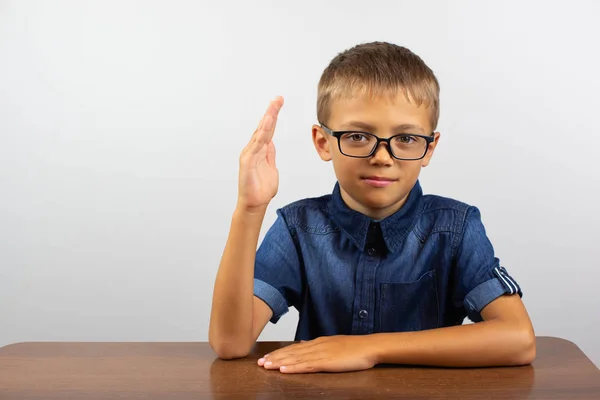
{"points": [[363, 314], [371, 251]]}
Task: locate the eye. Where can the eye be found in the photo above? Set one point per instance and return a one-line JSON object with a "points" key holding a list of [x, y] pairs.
{"points": [[406, 139], [356, 137]]}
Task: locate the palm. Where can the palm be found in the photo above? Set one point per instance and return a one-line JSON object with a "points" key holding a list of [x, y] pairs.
{"points": [[259, 178]]}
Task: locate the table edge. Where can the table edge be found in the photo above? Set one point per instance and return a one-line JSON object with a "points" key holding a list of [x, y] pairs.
{"points": [[18, 344]]}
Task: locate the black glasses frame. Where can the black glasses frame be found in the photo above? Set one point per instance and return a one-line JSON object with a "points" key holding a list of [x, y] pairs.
{"points": [[338, 134]]}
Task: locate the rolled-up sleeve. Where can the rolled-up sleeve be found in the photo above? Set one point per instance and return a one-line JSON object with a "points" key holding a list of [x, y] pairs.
{"points": [[480, 279], [277, 276]]}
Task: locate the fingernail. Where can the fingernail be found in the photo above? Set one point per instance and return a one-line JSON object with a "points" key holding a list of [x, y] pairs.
{"points": [[261, 360], [282, 368], [268, 363]]}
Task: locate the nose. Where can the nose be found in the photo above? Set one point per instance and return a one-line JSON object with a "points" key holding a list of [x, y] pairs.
{"points": [[382, 155]]}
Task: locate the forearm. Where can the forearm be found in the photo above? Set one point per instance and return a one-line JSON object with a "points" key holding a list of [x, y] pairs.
{"points": [[231, 319], [488, 343]]}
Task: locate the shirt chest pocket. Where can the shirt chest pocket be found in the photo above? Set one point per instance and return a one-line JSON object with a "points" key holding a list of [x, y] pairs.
{"points": [[410, 306]]}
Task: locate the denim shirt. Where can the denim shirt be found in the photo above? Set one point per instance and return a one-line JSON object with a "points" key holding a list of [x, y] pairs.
{"points": [[428, 265]]}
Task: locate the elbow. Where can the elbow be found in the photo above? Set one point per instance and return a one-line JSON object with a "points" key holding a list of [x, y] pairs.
{"points": [[525, 350], [229, 350]]}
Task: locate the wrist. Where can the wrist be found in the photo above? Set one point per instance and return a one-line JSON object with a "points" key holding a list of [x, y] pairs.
{"points": [[251, 212], [389, 348], [373, 346]]}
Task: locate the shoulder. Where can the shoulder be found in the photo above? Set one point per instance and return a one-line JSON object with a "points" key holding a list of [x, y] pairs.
{"points": [[439, 213], [310, 214], [439, 204]]}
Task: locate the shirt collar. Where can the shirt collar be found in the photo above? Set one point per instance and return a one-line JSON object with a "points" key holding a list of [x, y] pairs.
{"points": [[395, 228]]}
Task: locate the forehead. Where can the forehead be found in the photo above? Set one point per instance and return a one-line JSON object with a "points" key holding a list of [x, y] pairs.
{"points": [[383, 112]]}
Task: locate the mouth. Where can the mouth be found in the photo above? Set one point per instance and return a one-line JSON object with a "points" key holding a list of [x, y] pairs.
{"points": [[378, 181]]}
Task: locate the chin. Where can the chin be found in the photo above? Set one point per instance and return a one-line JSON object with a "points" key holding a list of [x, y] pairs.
{"points": [[374, 198], [378, 201]]}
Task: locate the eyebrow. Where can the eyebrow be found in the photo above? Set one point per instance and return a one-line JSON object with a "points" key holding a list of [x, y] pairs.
{"points": [[370, 128]]}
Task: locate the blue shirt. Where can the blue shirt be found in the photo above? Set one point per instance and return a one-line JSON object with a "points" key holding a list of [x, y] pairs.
{"points": [[428, 265]]}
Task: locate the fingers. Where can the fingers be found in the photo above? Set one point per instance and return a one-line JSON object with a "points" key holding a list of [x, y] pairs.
{"points": [[269, 120], [266, 128], [287, 350], [275, 106], [278, 363], [294, 351], [294, 359], [306, 367], [289, 355], [295, 364]]}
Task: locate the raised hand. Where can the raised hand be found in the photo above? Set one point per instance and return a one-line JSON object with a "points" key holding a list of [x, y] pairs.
{"points": [[258, 177]]}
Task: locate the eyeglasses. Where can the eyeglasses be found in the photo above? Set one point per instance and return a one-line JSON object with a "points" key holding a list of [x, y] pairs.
{"points": [[404, 146]]}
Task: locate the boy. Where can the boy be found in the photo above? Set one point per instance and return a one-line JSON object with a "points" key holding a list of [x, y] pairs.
{"points": [[379, 272]]}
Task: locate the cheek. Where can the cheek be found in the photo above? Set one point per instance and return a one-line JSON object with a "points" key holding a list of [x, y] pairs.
{"points": [[410, 169], [345, 166]]}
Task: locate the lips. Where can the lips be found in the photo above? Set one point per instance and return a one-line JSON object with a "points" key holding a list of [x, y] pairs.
{"points": [[378, 181], [379, 178]]}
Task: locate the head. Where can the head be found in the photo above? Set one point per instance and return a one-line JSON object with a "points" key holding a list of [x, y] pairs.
{"points": [[377, 90]]}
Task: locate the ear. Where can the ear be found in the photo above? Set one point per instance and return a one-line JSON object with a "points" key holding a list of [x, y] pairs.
{"points": [[431, 149], [321, 142]]}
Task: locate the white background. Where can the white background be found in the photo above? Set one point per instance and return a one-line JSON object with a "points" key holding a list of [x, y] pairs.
{"points": [[121, 123]]}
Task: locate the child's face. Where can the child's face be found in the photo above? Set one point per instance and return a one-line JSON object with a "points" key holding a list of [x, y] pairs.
{"points": [[376, 186]]}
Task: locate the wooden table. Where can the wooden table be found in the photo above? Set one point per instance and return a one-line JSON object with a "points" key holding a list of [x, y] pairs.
{"points": [[191, 371]]}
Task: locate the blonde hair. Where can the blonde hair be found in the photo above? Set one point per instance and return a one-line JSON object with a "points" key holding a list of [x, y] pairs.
{"points": [[378, 69]]}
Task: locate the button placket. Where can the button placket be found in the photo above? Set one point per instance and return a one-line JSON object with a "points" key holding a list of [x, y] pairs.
{"points": [[364, 301]]}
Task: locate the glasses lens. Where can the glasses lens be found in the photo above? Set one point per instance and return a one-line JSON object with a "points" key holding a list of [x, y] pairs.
{"points": [[408, 146], [357, 144]]}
